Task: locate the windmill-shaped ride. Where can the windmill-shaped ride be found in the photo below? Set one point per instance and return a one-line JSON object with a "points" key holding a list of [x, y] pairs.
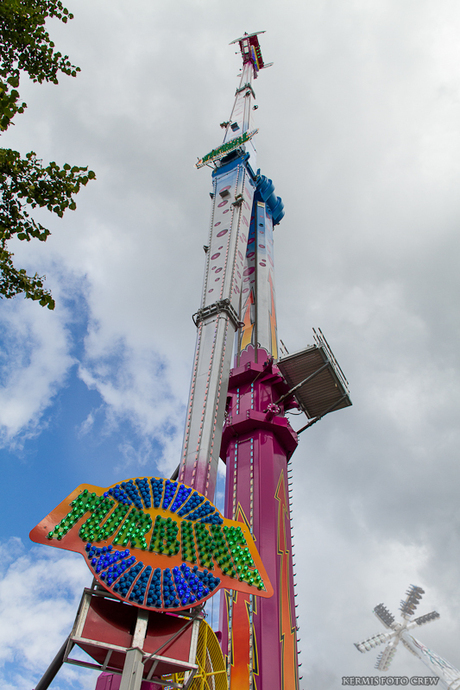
{"points": [[399, 632]]}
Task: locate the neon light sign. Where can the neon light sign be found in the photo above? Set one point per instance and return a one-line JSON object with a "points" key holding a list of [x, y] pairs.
{"points": [[155, 543]]}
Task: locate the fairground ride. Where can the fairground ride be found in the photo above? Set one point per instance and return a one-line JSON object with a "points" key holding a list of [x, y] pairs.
{"points": [[398, 631], [158, 548]]}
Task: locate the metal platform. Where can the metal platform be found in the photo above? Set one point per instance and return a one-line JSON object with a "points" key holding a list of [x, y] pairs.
{"points": [[315, 379], [135, 643]]}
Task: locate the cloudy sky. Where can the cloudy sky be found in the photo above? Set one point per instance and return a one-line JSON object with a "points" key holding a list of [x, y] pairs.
{"points": [[359, 123]]}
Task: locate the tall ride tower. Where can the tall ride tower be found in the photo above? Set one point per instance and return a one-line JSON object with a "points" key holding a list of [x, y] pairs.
{"points": [[259, 636], [158, 548], [217, 320]]}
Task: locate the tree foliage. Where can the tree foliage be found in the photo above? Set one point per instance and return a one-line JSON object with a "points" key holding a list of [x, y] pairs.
{"points": [[26, 183]]}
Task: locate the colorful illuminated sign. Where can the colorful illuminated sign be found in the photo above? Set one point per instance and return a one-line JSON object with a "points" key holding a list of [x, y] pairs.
{"points": [[155, 543], [226, 148]]}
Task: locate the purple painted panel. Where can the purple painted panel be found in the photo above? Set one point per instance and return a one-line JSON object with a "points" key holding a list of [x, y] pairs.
{"points": [[259, 637], [110, 681]]}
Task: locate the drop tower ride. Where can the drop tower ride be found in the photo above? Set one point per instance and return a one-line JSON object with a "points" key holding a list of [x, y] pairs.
{"points": [[158, 548], [239, 413], [258, 640]]}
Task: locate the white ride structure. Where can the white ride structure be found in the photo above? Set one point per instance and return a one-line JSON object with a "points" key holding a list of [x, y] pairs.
{"points": [[448, 675]]}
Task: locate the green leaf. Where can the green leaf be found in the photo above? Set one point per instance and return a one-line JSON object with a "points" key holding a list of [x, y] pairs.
{"points": [[25, 183]]}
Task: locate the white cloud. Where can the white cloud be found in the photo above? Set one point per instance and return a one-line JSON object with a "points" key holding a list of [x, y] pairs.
{"points": [[39, 594], [34, 362]]}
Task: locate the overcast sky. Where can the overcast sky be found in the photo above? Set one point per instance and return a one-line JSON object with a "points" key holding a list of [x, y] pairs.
{"points": [[359, 127]]}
